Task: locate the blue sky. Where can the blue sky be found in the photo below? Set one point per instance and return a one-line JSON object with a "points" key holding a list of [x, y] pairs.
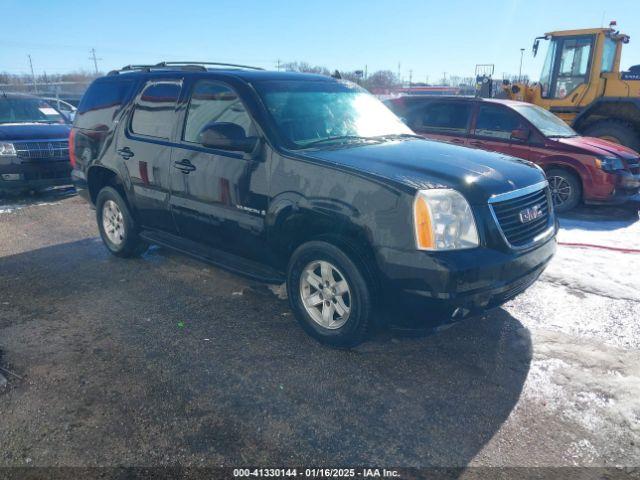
{"points": [[427, 37]]}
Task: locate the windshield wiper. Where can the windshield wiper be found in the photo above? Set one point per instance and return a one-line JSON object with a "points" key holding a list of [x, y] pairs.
{"points": [[341, 138], [400, 135]]}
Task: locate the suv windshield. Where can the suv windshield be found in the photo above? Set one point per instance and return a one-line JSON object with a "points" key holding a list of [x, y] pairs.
{"points": [[27, 110], [317, 113], [545, 121]]}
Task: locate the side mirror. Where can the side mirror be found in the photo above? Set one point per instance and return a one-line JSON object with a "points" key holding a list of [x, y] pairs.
{"points": [[226, 136], [521, 134]]}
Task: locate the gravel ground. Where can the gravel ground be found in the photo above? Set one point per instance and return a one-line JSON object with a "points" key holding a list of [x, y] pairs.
{"points": [[164, 360]]}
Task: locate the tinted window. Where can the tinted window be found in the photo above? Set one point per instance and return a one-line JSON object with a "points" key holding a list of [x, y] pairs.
{"points": [[154, 114], [101, 103], [212, 103], [498, 122], [450, 117]]}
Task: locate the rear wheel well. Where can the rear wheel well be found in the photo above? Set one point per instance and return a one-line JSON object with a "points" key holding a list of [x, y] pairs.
{"points": [[100, 177]]}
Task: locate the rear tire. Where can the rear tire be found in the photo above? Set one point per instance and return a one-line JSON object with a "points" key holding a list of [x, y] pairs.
{"points": [[566, 189], [617, 131], [329, 295], [117, 226]]}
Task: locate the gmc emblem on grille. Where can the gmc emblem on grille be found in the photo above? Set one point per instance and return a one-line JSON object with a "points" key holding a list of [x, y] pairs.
{"points": [[530, 214]]}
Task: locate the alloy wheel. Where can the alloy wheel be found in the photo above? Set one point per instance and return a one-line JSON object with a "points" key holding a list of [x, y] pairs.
{"points": [[325, 294], [560, 190], [113, 222]]}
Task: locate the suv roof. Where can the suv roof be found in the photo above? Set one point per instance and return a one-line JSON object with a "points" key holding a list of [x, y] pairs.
{"points": [[244, 72]]}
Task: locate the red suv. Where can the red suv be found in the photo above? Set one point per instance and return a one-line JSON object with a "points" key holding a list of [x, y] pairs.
{"points": [[577, 168]]}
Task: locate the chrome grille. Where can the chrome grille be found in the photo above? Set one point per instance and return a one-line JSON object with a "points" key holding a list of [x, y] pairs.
{"points": [[54, 149], [507, 212]]}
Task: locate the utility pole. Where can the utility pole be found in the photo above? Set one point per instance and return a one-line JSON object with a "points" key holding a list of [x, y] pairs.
{"points": [[365, 72], [95, 59], [399, 79], [444, 78], [410, 77], [520, 72], [278, 64], [33, 75]]}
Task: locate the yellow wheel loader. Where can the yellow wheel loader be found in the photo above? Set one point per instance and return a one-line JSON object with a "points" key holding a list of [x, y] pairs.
{"points": [[582, 84]]}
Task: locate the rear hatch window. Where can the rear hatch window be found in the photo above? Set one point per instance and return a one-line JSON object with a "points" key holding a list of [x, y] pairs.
{"points": [[102, 102]]}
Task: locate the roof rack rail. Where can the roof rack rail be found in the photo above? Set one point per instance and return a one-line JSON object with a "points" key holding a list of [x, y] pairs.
{"points": [[181, 65]]}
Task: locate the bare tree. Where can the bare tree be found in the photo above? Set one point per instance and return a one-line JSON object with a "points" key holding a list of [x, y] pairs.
{"points": [[382, 80], [305, 67]]}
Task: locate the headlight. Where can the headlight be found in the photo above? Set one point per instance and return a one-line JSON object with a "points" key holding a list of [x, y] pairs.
{"points": [[610, 163], [7, 150], [443, 221]]}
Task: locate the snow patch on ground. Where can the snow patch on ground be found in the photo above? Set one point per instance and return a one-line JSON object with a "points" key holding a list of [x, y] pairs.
{"points": [[602, 272], [595, 387], [611, 233], [548, 306], [19, 206]]}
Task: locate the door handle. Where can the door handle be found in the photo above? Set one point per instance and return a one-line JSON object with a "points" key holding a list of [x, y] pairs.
{"points": [[476, 143], [126, 153], [184, 165], [457, 140]]}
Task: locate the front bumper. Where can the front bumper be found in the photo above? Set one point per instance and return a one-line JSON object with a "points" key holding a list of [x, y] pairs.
{"points": [[622, 186], [460, 283], [17, 176]]}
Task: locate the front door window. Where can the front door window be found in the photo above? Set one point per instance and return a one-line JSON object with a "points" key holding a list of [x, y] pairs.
{"points": [[497, 122]]}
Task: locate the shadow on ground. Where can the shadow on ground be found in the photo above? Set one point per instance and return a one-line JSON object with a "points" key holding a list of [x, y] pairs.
{"points": [[161, 360]]}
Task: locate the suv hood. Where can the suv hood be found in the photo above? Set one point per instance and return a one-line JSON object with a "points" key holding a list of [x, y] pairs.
{"points": [[33, 131], [598, 146], [423, 164]]}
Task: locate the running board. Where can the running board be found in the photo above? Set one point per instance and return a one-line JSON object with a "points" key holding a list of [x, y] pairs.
{"points": [[226, 261]]}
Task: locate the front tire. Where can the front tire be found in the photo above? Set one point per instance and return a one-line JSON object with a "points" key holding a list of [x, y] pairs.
{"points": [[117, 226], [329, 295], [566, 189]]}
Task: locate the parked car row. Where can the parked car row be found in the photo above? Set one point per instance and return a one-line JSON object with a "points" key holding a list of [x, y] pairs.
{"points": [[304, 178], [578, 168]]}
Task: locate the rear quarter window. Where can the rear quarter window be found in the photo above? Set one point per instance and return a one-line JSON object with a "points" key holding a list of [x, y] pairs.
{"points": [[445, 117], [102, 102]]}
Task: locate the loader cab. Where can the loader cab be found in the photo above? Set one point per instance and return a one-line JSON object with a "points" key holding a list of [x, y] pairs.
{"points": [[566, 66], [576, 60], [582, 84]]}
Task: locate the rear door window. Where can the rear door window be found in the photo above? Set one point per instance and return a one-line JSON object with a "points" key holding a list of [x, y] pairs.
{"points": [[155, 112], [495, 121], [450, 117]]}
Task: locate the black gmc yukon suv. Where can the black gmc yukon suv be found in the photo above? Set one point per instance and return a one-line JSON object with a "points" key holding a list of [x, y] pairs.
{"points": [[308, 179]]}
